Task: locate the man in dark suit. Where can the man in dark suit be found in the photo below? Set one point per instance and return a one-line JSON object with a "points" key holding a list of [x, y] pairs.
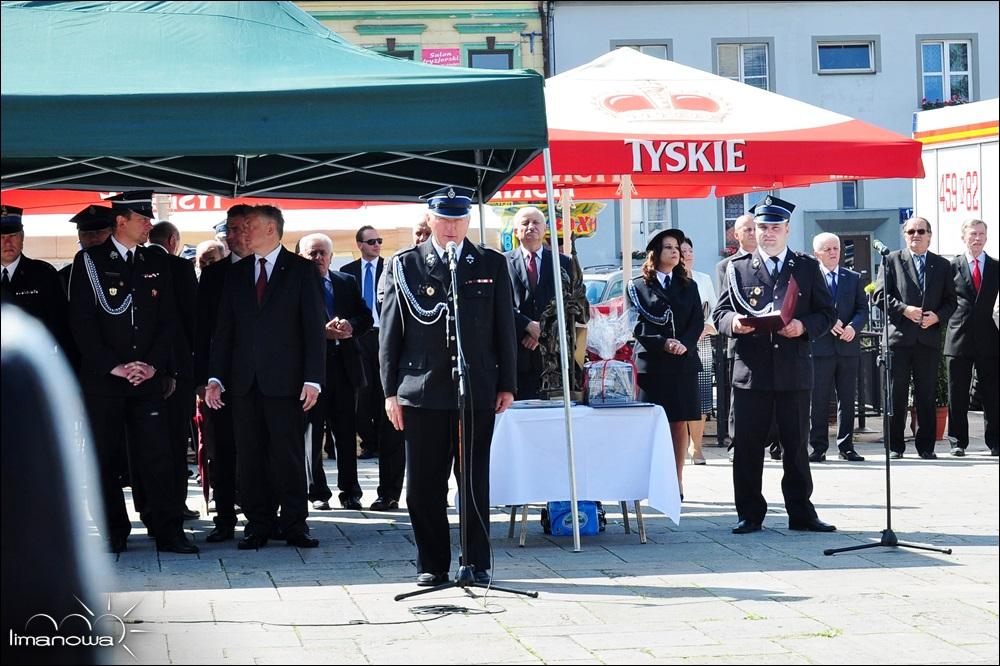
{"points": [[268, 352], [921, 297], [837, 354], [217, 426], [530, 269], [123, 317], [347, 317], [972, 340], [418, 352], [378, 437], [30, 284], [165, 240], [773, 372]]}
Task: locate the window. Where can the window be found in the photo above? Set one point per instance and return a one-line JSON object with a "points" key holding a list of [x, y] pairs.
{"points": [[658, 48], [491, 58], [656, 214], [845, 57], [849, 195], [746, 63], [945, 67], [402, 55]]}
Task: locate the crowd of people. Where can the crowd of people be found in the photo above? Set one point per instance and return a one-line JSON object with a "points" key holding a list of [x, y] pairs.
{"points": [[279, 359]]}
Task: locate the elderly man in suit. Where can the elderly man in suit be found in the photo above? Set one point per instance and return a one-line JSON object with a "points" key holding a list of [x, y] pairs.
{"points": [[530, 269], [836, 355], [972, 340], [773, 373], [269, 354], [347, 318], [920, 290]]}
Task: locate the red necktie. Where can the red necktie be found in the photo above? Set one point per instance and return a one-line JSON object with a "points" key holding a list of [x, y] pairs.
{"points": [[977, 277], [532, 271], [261, 282]]}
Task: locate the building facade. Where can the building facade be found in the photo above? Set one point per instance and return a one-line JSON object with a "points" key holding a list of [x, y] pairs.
{"points": [[875, 61]]}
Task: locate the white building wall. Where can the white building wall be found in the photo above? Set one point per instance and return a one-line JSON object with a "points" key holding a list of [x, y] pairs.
{"points": [[584, 30]]}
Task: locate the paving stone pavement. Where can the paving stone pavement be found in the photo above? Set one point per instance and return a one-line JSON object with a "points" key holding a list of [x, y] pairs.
{"points": [[694, 594]]}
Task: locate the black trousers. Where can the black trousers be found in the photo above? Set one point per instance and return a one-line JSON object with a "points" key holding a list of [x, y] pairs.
{"points": [[959, 381], [921, 363], [728, 429], [370, 399], [272, 460], [334, 412], [755, 411], [221, 444], [145, 435], [180, 411], [840, 374], [391, 456], [431, 436]]}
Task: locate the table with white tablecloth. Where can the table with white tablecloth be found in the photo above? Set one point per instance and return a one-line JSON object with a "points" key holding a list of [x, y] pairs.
{"points": [[622, 453]]}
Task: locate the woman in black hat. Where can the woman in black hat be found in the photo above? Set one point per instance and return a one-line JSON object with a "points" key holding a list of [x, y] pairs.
{"points": [[670, 321]]}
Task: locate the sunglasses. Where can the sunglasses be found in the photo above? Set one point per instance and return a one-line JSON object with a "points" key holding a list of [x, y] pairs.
{"points": [[373, 241], [919, 232]]}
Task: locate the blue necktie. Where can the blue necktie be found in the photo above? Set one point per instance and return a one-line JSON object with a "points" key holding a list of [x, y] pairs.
{"points": [[328, 297], [774, 273], [833, 284], [368, 290], [920, 271], [666, 282]]}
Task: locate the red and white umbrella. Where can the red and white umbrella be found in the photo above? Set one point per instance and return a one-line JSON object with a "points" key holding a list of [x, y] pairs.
{"points": [[679, 132]]}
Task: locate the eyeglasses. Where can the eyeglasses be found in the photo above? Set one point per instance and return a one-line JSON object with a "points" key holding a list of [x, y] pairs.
{"points": [[373, 241], [919, 232]]}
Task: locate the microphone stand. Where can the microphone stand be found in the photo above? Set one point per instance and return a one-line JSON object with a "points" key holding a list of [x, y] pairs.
{"points": [[466, 572], [888, 539]]}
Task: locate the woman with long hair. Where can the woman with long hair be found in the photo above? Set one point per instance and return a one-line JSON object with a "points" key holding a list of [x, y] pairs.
{"points": [[670, 321], [707, 292]]}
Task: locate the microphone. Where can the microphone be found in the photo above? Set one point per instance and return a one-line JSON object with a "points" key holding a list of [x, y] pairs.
{"points": [[451, 250], [880, 247]]}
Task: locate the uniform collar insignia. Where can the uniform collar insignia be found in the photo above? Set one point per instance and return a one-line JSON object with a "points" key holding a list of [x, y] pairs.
{"points": [[791, 261], [756, 262], [431, 258], [469, 259], [114, 254]]}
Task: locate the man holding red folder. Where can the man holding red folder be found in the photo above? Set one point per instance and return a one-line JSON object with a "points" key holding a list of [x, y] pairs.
{"points": [[774, 302]]}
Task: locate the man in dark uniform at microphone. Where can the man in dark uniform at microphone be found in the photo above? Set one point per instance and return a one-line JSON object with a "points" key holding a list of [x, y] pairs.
{"points": [[417, 355], [773, 372]]}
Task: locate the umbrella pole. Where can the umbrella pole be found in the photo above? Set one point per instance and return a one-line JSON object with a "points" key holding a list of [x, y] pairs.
{"points": [[563, 350], [626, 233], [482, 217]]}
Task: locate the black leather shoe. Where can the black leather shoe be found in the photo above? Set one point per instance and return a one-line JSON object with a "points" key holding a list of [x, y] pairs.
{"points": [[178, 544], [928, 455], [995, 451], [431, 579], [352, 503], [118, 544], [851, 456], [776, 454], [251, 543], [746, 527], [896, 455], [188, 514], [811, 525], [220, 534], [958, 451], [367, 455], [302, 541], [321, 505], [816, 456], [482, 577], [384, 504]]}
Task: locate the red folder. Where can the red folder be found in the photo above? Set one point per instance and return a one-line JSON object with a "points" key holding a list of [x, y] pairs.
{"points": [[778, 319]]}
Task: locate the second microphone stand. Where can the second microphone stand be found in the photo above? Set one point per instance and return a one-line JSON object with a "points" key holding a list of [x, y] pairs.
{"points": [[888, 539], [466, 572]]}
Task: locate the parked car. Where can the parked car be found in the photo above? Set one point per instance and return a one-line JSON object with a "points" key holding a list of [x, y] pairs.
{"points": [[604, 282]]}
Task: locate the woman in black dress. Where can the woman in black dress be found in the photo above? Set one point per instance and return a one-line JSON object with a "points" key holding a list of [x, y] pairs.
{"points": [[670, 321]]}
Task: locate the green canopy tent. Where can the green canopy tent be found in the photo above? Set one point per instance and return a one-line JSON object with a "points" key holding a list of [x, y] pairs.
{"points": [[245, 99]]}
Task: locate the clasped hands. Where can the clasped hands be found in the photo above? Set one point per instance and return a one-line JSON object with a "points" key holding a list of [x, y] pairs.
{"points": [[918, 316], [135, 372], [338, 329]]}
